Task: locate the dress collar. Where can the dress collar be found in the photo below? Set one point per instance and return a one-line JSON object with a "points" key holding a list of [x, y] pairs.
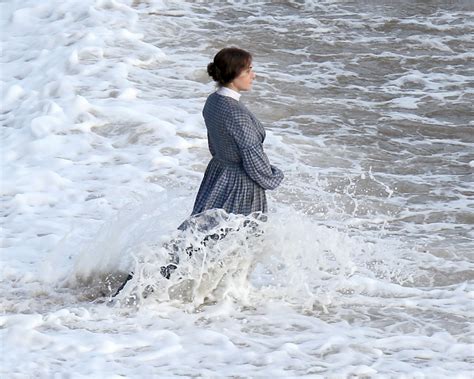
{"points": [[224, 91]]}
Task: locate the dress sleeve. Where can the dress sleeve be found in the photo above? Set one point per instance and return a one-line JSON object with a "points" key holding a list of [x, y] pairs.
{"points": [[254, 159]]}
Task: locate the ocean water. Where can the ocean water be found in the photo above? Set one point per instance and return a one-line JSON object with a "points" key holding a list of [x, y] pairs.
{"points": [[364, 268]]}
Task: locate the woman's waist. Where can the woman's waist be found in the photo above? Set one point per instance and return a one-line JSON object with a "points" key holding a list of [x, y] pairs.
{"points": [[227, 162]]}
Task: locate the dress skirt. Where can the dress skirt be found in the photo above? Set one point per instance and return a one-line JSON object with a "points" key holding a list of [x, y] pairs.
{"points": [[227, 186]]}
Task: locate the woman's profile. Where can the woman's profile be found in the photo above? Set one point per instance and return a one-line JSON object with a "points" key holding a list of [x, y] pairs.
{"points": [[239, 172]]}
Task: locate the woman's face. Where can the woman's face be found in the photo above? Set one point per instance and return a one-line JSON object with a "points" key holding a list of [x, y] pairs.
{"points": [[243, 82]]}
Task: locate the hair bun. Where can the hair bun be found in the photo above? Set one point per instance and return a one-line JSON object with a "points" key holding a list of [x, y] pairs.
{"points": [[213, 71]]}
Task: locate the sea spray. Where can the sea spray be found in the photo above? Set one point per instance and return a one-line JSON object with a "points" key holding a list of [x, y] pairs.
{"points": [[217, 256]]}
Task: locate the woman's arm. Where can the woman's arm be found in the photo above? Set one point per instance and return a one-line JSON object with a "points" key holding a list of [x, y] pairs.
{"points": [[254, 159]]}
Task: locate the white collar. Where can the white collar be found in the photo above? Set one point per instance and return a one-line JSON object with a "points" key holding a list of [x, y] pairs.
{"points": [[224, 91]]}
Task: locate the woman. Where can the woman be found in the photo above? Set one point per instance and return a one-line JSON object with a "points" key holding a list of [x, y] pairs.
{"points": [[239, 172]]}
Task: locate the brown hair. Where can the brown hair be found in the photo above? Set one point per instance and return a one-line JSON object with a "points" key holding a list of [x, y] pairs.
{"points": [[228, 64]]}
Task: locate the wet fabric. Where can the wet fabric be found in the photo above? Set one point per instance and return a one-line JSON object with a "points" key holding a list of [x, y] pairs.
{"points": [[239, 172]]}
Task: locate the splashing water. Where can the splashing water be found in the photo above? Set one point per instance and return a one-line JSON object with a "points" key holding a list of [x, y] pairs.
{"points": [[217, 256]]}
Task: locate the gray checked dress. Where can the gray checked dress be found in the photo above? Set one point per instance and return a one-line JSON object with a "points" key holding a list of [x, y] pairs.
{"points": [[239, 172]]}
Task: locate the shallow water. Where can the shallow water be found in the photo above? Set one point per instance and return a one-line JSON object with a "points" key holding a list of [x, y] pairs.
{"points": [[365, 265]]}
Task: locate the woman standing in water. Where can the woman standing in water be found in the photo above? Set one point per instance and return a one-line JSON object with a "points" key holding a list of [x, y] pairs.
{"points": [[239, 172]]}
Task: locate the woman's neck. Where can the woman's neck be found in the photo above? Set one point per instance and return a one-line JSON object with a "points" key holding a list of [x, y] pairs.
{"points": [[232, 87]]}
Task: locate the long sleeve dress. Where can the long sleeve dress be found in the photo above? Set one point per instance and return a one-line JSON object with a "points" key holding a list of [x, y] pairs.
{"points": [[239, 172]]}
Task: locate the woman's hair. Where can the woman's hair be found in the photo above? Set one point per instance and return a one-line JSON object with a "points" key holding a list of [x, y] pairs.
{"points": [[228, 64]]}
